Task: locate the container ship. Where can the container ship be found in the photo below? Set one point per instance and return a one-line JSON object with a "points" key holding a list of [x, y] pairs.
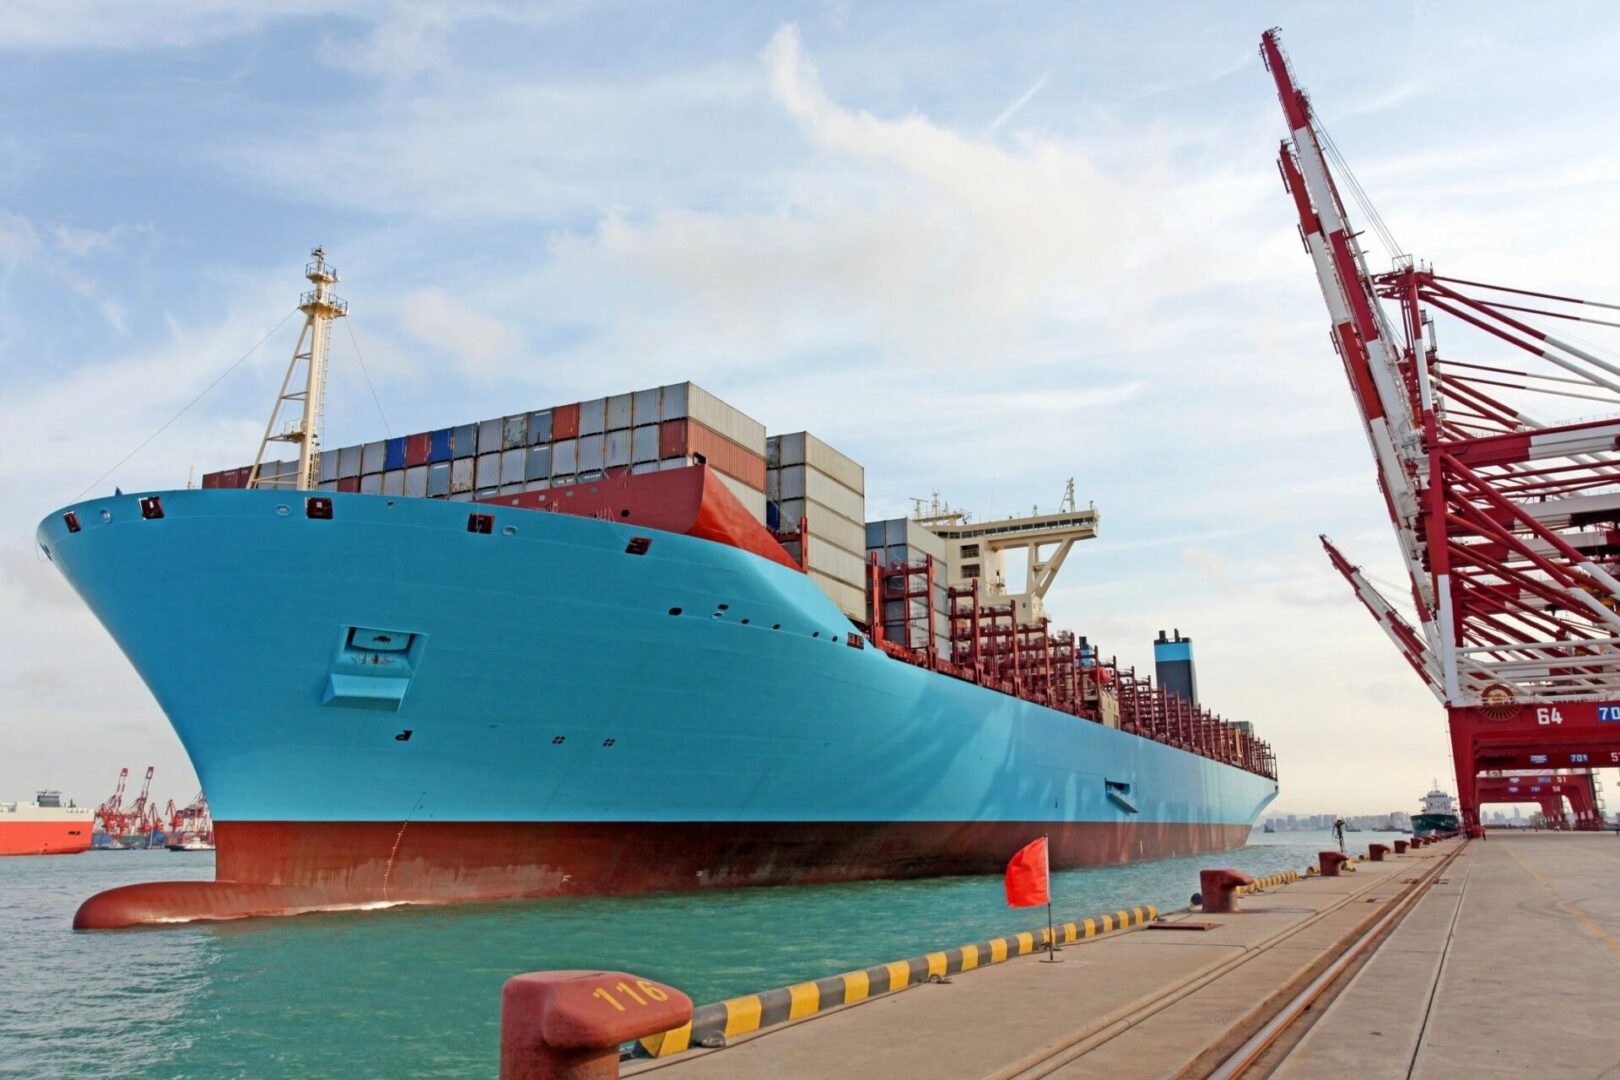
{"points": [[1439, 814], [617, 646], [46, 826]]}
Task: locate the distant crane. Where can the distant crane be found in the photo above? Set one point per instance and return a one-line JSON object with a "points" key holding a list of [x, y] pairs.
{"points": [[110, 814]]}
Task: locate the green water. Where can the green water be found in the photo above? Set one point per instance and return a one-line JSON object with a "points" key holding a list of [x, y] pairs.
{"points": [[417, 991]]}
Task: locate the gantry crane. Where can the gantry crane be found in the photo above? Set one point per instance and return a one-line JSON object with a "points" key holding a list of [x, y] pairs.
{"points": [[1504, 497]]}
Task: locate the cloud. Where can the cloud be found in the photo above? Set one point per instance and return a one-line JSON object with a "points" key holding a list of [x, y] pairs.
{"points": [[482, 344], [1018, 103]]}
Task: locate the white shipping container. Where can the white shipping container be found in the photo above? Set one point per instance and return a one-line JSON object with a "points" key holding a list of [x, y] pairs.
{"points": [[903, 532], [328, 466], [802, 448], [825, 523], [349, 461], [489, 470], [394, 482], [438, 481], [644, 443], [850, 600], [512, 462], [562, 480], [835, 562], [512, 489], [590, 453], [618, 412], [328, 485], [616, 450], [371, 484], [753, 500], [372, 457], [641, 468], [564, 457], [489, 435], [804, 482], [515, 431], [672, 401], [672, 463], [644, 406], [416, 482], [715, 414], [592, 416], [537, 485], [461, 475]]}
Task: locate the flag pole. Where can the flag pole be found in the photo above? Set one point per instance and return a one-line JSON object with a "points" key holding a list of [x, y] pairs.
{"points": [[1051, 933]]}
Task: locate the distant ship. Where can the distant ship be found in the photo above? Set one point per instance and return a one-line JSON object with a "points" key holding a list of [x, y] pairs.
{"points": [[45, 826], [1439, 813]]}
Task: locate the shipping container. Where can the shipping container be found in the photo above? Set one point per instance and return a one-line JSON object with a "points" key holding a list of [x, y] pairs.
{"points": [[565, 422], [394, 453], [438, 480], [372, 456], [349, 462], [672, 402], [593, 416], [825, 523], [416, 479], [462, 475], [564, 456], [693, 440], [211, 480], [441, 445], [512, 464], [641, 468], [562, 479], [417, 448], [538, 464], [464, 441], [850, 600], [618, 413], [327, 468], [644, 406], [536, 485], [590, 453], [805, 482], [489, 470], [644, 443], [327, 485], [673, 463], [511, 489], [802, 448], [616, 450], [837, 562], [716, 415], [751, 498], [393, 482], [539, 427], [371, 484], [486, 493], [515, 431], [348, 483], [902, 533], [461, 496]]}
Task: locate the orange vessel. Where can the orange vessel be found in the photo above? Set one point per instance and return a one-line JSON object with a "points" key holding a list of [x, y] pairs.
{"points": [[45, 826]]}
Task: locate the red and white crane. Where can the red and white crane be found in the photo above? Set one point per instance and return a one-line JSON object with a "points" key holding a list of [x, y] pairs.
{"points": [[1503, 490]]}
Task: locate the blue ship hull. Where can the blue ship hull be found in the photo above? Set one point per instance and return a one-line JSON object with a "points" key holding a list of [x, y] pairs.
{"points": [[388, 707]]}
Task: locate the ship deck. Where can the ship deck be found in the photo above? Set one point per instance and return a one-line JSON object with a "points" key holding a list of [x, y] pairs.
{"points": [[1427, 1001]]}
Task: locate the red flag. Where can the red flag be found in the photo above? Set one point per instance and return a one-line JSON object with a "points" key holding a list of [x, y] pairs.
{"points": [[1029, 877]]}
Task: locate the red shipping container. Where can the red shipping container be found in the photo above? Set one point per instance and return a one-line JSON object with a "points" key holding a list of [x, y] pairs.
{"points": [[211, 479], [348, 483], [243, 475], [416, 448], [681, 438], [565, 422]]}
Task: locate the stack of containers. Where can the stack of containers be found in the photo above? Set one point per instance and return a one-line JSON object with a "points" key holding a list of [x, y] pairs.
{"points": [[903, 542], [805, 479], [666, 427]]}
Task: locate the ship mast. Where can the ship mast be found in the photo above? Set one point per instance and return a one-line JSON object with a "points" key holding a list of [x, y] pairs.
{"points": [[320, 307]]}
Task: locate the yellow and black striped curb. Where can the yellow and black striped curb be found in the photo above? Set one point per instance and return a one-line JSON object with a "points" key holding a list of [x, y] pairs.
{"points": [[1267, 882], [741, 1015]]}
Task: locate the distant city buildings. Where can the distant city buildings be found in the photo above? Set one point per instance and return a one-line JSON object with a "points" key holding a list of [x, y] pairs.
{"points": [[1395, 819]]}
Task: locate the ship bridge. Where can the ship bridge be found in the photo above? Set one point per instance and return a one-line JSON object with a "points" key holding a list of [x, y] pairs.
{"points": [[977, 550]]}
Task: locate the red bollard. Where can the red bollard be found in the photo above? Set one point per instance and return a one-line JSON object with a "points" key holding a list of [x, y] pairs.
{"points": [[1217, 890], [568, 1025], [1330, 861], [1376, 852], [1401, 846]]}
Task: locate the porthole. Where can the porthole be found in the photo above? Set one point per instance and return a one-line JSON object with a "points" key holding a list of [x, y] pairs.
{"points": [[674, 611]]}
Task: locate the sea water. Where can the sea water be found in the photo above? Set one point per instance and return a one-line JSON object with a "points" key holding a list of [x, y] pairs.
{"points": [[416, 991]]}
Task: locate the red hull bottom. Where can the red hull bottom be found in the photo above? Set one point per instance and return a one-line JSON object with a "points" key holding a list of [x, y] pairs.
{"points": [[285, 868]]}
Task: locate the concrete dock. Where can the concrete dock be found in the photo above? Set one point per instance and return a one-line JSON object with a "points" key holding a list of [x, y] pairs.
{"points": [[1499, 959]]}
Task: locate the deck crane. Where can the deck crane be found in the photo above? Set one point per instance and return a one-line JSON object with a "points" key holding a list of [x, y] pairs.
{"points": [[1505, 500]]}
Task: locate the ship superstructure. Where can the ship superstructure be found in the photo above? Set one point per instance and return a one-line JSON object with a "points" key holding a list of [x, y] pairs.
{"points": [[613, 646]]}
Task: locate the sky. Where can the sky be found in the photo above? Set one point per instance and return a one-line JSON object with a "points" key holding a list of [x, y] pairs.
{"points": [[980, 248]]}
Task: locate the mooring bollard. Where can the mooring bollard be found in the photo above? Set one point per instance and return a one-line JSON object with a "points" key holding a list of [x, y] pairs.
{"points": [[1330, 861], [1217, 889], [568, 1025], [1401, 846], [1376, 852]]}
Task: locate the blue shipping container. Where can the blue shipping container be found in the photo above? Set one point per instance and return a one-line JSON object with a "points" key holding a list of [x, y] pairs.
{"points": [[464, 441], [394, 454], [439, 446]]}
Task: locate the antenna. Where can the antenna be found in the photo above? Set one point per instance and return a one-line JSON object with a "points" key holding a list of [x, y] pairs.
{"points": [[320, 307]]}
